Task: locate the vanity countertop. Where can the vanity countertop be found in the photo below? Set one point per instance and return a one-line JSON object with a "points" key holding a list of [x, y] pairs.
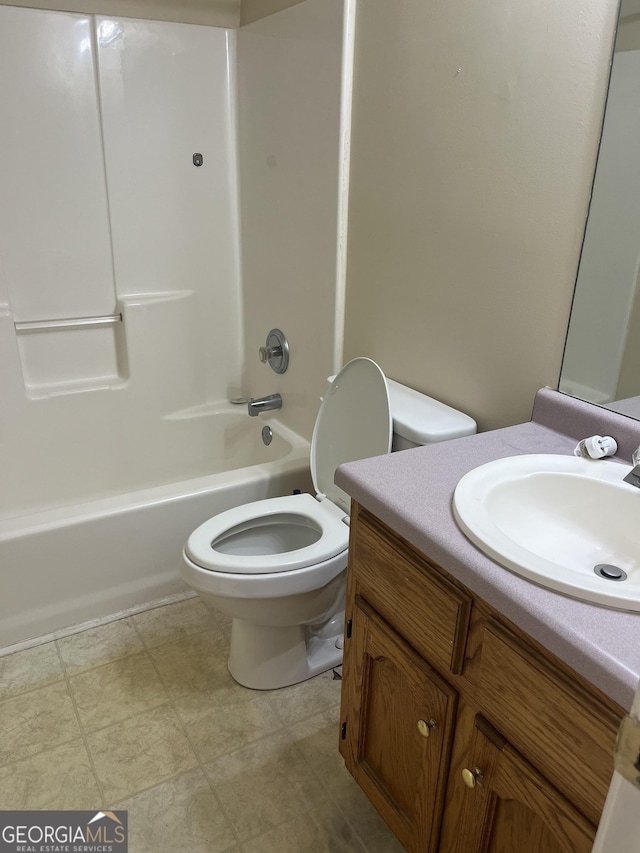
{"points": [[412, 493]]}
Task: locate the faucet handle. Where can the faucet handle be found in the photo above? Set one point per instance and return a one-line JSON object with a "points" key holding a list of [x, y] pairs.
{"points": [[267, 353], [633, 477], [275, 352]]}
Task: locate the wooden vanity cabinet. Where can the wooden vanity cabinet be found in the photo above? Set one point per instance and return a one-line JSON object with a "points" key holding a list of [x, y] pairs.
{"points": [[401, 728], [463, 732], [498, 803]]}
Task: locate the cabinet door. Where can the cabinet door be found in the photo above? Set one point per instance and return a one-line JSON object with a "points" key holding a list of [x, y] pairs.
{"points": [[399, 717], [498, 803]]}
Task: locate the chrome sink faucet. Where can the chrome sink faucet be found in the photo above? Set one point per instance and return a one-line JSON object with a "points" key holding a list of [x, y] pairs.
{"points": [[633, 477], [264, 404]]}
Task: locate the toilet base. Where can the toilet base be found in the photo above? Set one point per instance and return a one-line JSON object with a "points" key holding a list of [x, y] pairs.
{"points": [[265, 658]]}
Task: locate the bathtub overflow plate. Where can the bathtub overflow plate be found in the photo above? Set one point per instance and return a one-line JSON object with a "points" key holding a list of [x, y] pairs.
{"points": [[267, 435]]}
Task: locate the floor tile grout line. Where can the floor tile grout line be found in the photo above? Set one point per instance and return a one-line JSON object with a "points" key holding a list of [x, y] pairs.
{"points": [[152, 707], [174, 700], [328, 793], [202, 630], [167, 702], [297, 721], [286, 730], [31, 755], [338, 805], [164, 703], [283, 823], [202, 765], [217, 621], [223, 810], [112, 803], [110, 662], [82, 733], [30, 690], [336, 802], [69, 669], [286, 724]]}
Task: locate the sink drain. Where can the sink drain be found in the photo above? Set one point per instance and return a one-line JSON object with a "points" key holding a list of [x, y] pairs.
{"points": [[609, 572]]}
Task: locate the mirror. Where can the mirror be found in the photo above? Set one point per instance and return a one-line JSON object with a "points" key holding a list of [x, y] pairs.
{"points": [[601, 362]]}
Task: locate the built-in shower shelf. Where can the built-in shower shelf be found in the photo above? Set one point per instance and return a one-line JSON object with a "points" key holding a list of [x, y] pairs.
{"points": [[71, 355]]}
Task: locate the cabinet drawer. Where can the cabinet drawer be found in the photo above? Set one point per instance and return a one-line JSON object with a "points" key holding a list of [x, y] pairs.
{"points": [[568, 733], [414, 598]]}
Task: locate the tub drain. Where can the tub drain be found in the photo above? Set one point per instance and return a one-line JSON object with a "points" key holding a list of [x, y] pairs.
{"points": [[609, 572]]}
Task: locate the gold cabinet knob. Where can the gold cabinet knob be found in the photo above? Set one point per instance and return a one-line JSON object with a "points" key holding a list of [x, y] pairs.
{"points": [[472, 777], [425, 726]]}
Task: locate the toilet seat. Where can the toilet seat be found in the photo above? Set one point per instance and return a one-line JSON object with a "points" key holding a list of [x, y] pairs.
{"points": [[277, 585], [322, 519], [293, 532]]}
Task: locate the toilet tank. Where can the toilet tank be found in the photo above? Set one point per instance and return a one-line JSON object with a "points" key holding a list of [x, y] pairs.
{"points": [[419, 420]]}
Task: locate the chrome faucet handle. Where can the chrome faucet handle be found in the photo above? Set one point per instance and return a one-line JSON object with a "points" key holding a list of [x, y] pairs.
{"points": [[267, 353], [633, 477], [275, 352]]}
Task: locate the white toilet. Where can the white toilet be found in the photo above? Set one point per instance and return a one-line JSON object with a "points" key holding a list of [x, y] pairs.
{"points": [[278, 566]]}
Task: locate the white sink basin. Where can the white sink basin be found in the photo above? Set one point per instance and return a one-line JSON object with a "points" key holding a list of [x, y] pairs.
{"points": [[552, 519]]}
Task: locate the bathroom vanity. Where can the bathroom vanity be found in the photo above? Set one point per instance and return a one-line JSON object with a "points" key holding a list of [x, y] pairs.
{"points": [[479, 711]]}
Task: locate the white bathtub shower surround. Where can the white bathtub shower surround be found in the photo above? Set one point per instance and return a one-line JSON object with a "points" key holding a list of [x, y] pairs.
{"points": [[69, 565], [104, 215], [115, 431], [166, 94], [121, 435], [291, 144], [54, 216]]}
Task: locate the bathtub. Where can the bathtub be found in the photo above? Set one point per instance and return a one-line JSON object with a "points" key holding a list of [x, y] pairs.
{"points": [[70, 565]]}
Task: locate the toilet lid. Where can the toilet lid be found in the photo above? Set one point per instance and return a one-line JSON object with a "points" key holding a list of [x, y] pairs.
{"points": [[354, 422]]}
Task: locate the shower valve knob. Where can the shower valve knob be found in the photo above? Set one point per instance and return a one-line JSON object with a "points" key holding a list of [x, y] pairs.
{"points": [[267, 353], [275, 352]]}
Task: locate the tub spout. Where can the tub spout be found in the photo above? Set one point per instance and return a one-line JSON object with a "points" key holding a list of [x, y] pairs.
{"points": [[264, 404]]}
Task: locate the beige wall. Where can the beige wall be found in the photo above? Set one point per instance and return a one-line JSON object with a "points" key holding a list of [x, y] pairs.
{"points": [[475, 129], [252, 10], [217, 13]]}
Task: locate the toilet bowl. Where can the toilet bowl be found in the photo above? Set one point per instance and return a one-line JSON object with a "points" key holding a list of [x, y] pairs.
{"points": [[277, 567]]}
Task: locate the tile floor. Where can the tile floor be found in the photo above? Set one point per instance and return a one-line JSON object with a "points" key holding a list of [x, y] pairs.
{"points": [[141, 714]]}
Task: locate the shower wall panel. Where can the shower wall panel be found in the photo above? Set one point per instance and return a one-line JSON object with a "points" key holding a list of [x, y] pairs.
{"points": [[165, 94], [289, 119], [118, 255], [54, 222]]}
